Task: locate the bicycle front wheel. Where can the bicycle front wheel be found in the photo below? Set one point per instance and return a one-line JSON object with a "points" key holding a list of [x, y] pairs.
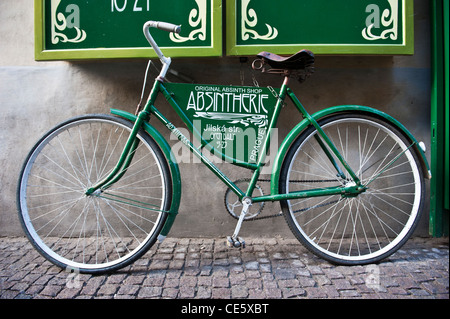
{"points": [[106, 230], [362, 229]]}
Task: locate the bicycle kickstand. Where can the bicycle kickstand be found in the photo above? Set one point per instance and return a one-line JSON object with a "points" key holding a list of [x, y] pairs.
{"points": [[234, 240]]}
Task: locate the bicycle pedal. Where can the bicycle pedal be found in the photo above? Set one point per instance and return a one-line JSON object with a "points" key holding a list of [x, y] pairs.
{"points": [[235, 242]]}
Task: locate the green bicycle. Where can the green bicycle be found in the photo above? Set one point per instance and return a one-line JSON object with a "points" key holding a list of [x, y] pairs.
{"points": [[97, 191]]}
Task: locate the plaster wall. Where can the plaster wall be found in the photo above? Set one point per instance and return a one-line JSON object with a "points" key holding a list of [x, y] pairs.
{"points": [[34, 96]]}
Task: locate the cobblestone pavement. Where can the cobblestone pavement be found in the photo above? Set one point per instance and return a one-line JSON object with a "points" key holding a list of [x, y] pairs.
{"points": [[206, 269]]}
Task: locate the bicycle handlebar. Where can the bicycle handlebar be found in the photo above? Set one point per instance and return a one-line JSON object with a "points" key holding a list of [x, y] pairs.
{"points": [[169, 27]]}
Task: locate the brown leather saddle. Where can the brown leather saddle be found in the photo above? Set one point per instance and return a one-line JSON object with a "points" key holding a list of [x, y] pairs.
{"points": [[299, 65], [300, 60]]}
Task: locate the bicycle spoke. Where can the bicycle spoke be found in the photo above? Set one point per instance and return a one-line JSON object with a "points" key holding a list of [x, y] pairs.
{"points": [[370, 225], [93, 233]]}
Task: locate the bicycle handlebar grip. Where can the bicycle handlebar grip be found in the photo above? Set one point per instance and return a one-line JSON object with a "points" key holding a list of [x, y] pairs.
{"points": [[169, 27]]}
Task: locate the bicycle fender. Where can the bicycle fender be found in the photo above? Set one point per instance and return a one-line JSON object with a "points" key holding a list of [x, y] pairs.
{"points": [[294, 133], [173, 168]]}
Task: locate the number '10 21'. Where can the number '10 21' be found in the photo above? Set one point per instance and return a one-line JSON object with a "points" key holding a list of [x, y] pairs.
{"points": [[135, 5]]}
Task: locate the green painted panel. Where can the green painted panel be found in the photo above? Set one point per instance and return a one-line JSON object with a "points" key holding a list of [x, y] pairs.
{"points": [[82, 29], [439, 186], [323, 26], [446, 35]]}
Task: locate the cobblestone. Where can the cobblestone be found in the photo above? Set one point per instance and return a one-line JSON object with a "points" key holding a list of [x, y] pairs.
{"points": [[193, 268]]}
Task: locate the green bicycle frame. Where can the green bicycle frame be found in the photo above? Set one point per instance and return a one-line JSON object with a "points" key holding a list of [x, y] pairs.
{"points": [[150, 109], [268, 120], [141, 121]]}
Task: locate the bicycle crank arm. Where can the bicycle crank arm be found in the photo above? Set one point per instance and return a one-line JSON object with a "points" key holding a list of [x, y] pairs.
{"points": [[234, 240]]}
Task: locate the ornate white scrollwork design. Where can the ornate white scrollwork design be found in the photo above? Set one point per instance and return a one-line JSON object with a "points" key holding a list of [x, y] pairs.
{"points": [[59, 24], [250, 20], [389, 19], [197, 19], [259, 120]]}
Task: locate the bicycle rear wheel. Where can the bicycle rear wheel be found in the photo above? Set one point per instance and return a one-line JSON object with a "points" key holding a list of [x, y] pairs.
{"points": [[106, 230], [362, 229]]}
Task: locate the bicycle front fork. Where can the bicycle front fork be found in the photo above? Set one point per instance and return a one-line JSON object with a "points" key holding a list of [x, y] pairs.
{"points": [[124, 160]]}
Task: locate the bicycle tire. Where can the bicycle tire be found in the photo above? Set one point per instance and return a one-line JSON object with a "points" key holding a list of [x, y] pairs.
{"points": [[105, 231], [362, 229]]}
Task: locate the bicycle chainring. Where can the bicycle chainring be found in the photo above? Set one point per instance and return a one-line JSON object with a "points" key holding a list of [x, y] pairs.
{"points": [[234, 206]]}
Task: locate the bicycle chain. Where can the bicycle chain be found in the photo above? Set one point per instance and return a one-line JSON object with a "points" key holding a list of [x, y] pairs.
{"points": [[281, 214]]}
